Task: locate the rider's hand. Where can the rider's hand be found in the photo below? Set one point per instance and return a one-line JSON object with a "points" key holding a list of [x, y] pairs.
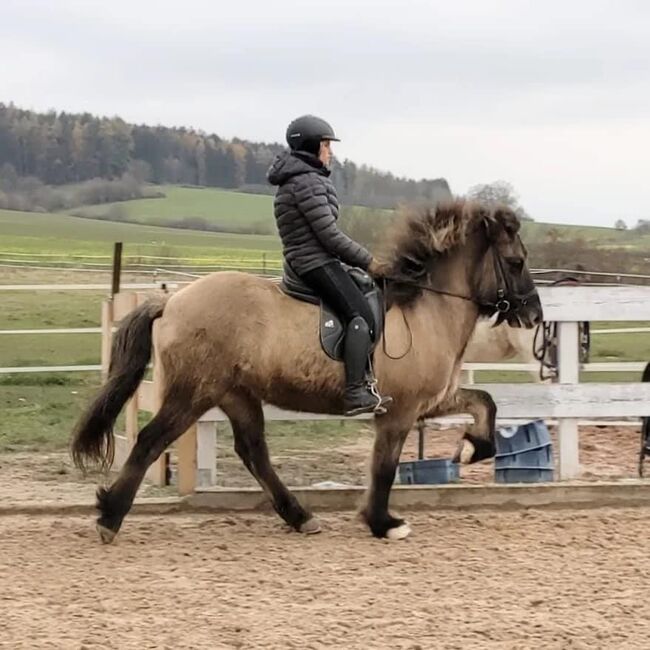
{"points": [[379, 269]]}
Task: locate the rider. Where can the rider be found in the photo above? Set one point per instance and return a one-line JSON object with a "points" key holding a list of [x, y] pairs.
{"points": [[306, 210]]}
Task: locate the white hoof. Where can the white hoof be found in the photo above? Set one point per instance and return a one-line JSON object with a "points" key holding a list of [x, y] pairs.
{"points": [[401, 532], [105, 534], [467, 450], [311, 527]]}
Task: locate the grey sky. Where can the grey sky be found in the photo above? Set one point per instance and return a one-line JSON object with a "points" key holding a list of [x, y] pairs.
{"points": [[551, 96]]}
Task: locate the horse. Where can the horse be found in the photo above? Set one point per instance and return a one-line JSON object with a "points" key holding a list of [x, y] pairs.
{"points": [[235, 341], [492, 343]]}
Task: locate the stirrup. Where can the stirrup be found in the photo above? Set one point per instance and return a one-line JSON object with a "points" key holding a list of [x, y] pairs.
{"points": [[382, 402], [371, 381]]}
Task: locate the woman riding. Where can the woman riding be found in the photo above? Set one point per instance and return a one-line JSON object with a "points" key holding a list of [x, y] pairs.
{"points": [[306, 211]]}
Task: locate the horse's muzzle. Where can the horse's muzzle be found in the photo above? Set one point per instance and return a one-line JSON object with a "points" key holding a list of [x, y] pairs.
{"points": [[530, 313], [527, 312]]}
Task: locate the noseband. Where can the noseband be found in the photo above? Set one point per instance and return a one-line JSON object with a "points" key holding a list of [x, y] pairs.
{"points": [[506, 300]]}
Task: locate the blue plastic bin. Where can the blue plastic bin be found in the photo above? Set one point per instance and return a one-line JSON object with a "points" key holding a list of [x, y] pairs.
{"points": [[428, 471], [524, 454]]}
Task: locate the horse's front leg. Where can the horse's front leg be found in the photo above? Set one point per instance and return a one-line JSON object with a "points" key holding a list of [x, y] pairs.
{"points": [[477, 442], [391, 431]]}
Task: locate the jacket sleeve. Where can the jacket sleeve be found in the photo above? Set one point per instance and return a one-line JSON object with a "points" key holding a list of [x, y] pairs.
{"points": [[311, 197]]}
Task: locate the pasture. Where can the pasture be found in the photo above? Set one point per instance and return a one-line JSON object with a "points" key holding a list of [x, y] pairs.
{"points": [[67, 236], [228, 209]]}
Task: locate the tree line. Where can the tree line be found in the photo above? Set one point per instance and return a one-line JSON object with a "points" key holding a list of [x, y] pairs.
{"points": [[60, 148]]}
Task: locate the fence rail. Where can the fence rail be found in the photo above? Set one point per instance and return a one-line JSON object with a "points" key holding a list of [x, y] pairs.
{"points": [[510, 367], [266, 262], [569, 401]]}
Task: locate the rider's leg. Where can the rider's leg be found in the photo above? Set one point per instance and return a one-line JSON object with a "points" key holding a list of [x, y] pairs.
{"points": [[358, 397], [339, 291]]}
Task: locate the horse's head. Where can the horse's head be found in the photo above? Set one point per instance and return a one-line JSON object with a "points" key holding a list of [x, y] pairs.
{"points": [[502, 281], [467, 250]]}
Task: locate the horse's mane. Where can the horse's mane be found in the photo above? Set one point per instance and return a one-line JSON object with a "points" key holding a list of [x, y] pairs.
{"points": [[423, 233]]}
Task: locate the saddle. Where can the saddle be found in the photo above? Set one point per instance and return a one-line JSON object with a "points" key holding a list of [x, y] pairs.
{"points": [[331, 330]]}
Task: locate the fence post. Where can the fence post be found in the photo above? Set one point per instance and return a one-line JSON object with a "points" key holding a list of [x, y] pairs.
{"points": [[157, 473], [186, 458], [117, 268], [107, 336], [568, 373], [206, 454]]}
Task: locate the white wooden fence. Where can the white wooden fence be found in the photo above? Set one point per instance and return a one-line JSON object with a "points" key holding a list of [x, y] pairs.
{"points": [[567, 401]]}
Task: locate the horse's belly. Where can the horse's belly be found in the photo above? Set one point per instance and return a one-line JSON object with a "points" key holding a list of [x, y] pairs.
{"points": [[296, 394]]}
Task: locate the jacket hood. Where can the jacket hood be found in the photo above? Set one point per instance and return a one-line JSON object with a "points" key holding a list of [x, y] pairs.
{"points": [[292, 163]]}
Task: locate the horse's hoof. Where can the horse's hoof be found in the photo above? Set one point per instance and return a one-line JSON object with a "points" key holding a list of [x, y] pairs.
{"points": [[311, 527], [105, 534], [400, 532], [464, 452]]}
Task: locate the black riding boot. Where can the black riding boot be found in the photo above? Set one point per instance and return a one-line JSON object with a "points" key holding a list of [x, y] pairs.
{"points": [[359, 396]]}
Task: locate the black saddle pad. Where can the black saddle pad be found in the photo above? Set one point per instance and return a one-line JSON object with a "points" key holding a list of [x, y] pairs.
{"points": [[332, 331]]}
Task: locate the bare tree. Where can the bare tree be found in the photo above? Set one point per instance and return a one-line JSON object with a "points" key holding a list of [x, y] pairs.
{"points": [[499, 192]]}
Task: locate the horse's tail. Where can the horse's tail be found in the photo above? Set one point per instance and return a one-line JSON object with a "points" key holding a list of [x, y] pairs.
{"points": [[92, 438]]}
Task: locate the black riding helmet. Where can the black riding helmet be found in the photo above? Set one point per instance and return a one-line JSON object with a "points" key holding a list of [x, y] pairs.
{"points": [[306, 133]]}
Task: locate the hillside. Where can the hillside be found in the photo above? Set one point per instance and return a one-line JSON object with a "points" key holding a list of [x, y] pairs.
{"points": [[196, 208], [58, 148]]}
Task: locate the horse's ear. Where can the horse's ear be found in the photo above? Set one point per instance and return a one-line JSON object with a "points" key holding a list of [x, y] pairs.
{"points": [[500, 220], [490, 224], [508, 220], [413, 267]]}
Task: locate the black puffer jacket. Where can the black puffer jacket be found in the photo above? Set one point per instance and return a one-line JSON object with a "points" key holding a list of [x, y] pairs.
{"points": [[306, 210]]}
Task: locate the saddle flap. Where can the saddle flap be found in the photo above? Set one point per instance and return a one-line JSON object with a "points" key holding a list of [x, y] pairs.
{"points": [[331, 328], [331, 333]]}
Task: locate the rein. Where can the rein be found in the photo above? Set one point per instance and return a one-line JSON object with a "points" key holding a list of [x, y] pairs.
{"points": [[506, 300]]}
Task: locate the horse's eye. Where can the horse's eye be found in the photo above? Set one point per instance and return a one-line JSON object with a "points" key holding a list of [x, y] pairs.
{"points": [[516, 263]]}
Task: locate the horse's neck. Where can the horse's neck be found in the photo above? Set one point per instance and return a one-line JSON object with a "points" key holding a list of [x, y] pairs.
{"points": [[452, 274], [451, 317]]}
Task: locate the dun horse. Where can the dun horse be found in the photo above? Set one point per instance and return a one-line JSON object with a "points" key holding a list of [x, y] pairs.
{"points": [[234, 341]]}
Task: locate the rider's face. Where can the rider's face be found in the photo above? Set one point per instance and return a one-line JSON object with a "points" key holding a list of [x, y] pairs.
{"points": [[325, 154]]}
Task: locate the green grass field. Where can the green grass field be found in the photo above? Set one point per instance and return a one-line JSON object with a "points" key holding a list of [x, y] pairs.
{"points": [[27, 232], [594, 236], [229, 209]]}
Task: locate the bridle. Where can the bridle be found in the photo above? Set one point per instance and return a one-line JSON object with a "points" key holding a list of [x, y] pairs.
{"points": [[506, 301]]}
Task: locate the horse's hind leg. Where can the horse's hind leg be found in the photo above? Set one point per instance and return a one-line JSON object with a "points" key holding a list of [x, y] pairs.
{"points": [[175, 416], [247, 418]]}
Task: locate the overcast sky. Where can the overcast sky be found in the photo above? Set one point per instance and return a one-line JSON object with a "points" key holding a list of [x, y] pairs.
{"points": [[551, 96]]}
